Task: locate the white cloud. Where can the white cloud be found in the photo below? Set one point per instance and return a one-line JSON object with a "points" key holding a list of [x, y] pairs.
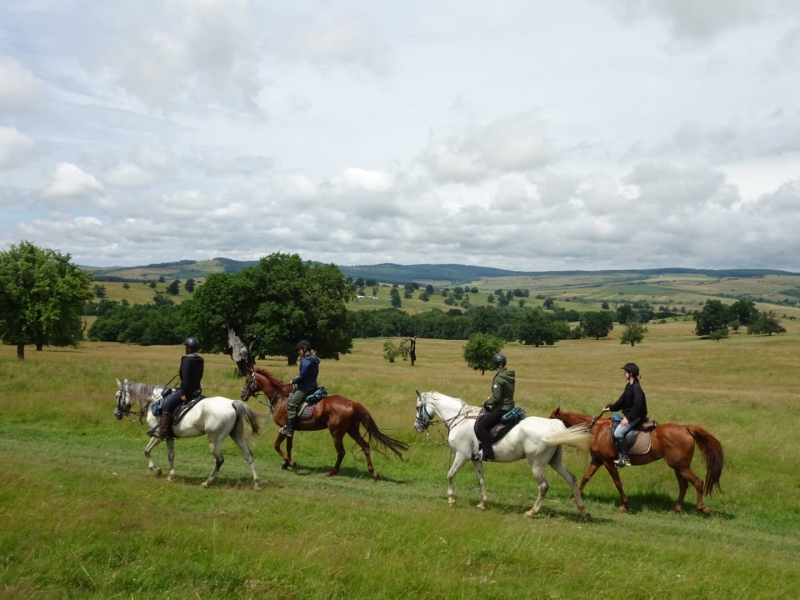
{"points": [[347, 41], [128, 175], [69, 180], [19, 89], [15, 147]]}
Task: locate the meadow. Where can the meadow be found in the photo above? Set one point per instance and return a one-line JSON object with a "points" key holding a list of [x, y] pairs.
{"points": [[82, 517]]}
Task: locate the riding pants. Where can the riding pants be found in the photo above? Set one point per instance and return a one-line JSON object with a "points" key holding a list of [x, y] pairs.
{"points": [[172, 401], [294, 402], [483, 430], [621, 431]]}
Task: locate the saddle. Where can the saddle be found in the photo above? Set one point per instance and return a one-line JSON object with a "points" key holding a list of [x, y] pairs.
{"points": [[157, 407], [508, 421], [638, 438], [306, 408]]}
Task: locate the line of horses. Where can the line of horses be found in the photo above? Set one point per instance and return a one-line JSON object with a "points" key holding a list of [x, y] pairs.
{"points": [[538, 440]]}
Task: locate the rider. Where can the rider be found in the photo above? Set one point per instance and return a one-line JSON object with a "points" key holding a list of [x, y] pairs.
{"points": [[633, 405], [305, 383], [191, 372], [499, 403]]}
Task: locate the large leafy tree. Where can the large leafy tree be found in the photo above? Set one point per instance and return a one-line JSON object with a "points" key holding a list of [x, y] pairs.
{"points": [[41, 297], [280, 301], [713, 317], [533, 327], [597, 324]]}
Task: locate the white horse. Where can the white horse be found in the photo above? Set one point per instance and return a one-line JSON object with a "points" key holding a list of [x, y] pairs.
{"points": [[536, 439], [216, 417]]}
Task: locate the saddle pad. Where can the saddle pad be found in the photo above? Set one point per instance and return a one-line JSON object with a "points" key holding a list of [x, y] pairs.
{"points": [[305, 411], [185, 408], [642, 443]]}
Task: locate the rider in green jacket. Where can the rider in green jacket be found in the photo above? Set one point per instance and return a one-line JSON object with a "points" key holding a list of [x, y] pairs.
{"points": [[499, 403]]}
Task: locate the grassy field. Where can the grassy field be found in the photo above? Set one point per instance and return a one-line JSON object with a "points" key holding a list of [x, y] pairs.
{"points": [[81, 516]]}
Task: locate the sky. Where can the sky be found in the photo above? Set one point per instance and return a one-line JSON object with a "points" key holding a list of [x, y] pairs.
{"points": [[531, 136]]}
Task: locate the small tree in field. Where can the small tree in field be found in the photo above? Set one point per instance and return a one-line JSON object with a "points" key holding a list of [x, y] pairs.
{"points": [[390, 351], [479, 350], [633, 334]]}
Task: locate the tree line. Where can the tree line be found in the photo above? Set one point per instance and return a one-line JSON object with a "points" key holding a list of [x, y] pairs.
{"points": [[283, 299]]}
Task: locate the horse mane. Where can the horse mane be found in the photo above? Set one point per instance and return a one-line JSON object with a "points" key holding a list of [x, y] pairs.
{"points": [[270, 377], [139, 391], [469, 409]]}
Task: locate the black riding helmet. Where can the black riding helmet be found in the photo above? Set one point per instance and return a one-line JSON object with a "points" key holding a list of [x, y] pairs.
{"points": [[303, 344], [192, 343], [498, 360], [631, 368]]}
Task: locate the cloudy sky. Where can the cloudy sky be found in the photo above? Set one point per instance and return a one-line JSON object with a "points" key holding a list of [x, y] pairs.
{"points": [[583, 134]]}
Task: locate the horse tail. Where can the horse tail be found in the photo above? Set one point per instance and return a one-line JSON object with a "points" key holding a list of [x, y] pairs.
{"points": [[577, 436], [376, 437], [243, 411], [711, 449]]}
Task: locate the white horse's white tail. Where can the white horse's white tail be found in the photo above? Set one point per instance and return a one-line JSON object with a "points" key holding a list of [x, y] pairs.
{"points": [[577, 436]]}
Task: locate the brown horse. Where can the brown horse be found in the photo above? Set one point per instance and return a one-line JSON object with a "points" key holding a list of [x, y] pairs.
{"points": [[670, 441], [337, 414]]}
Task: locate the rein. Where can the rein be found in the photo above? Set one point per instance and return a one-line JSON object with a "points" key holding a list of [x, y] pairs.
{"points": [[449, 423], [253, 389]]}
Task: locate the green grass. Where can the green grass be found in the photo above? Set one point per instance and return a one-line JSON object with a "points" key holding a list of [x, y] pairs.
{"points": [[82, 517]]}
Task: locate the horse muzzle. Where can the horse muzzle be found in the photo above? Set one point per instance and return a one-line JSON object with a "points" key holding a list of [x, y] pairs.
{"points": [[117, 414]]}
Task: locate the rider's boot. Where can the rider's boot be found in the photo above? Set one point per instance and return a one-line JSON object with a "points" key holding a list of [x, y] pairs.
{"points": [[622, 459], [288, 429], [487, 453], [163, 427]]}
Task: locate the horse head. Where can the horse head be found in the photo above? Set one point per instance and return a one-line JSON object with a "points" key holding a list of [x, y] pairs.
{"points": [[424, 418], [123, 402], [250, 388]]}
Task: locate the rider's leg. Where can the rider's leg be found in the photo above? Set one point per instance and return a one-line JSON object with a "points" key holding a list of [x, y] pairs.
{"points": [[171, 403], [291, 411], [487, 421]]}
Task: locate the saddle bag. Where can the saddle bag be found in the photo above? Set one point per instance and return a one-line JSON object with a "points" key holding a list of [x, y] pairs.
{"points": [[316, 395], [515, 415]]}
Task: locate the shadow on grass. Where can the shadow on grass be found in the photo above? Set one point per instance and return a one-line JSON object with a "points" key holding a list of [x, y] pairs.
{"points": [[344, 473], [659, 502]]}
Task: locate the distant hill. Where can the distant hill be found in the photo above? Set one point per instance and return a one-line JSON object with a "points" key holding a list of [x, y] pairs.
{"points": [[394, 273]]}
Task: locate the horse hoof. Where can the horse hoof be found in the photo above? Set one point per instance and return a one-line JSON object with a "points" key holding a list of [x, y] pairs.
{"points": [[530, 514], [204, 484], [158, 472], [480, 506], [705, 511], [587, 517], [331, 473], [375, 476]]}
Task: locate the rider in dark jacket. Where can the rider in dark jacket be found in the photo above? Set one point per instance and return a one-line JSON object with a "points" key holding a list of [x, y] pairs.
{"points": [[499, 403], [191, 373], [633, 405], [305, 383]]}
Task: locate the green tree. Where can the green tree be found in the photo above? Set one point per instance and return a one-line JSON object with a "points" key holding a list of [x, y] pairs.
{"points": [[597, 324], [534, 327], [280, 301], [743, 311], [479, 349], [713, 317], [99, 290], [766, 322], [41, 298], [394, 295], [189, 285], [425, 296], [633, 334], [174, 287]]}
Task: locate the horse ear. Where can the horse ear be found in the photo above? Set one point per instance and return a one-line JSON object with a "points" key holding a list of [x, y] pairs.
{"points": [[119, 385], [418, 394]]}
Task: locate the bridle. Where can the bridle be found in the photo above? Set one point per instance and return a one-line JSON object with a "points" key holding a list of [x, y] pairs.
{"points": [[424, 419], [124, 409], [252, 389]]}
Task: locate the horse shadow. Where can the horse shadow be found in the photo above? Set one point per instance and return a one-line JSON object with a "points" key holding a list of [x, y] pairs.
{"points": [[658, 502], [354, 473]]}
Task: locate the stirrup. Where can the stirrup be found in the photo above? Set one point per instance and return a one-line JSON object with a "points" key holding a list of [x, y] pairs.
{"points": [[620, 462], [285, 431], [477, 455]]}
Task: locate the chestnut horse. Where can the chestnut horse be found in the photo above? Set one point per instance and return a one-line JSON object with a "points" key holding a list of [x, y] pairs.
{"points": [[337, 414], [670, 441]]}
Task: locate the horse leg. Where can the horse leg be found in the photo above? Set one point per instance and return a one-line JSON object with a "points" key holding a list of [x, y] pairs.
{"points": [[338, 436], [686, 476], [216, 450], [359, 439], [150, 464], [171, 457], [460, 461], [538, 473], [559, 467], [248, 456], [288, 463], [614, 472]]}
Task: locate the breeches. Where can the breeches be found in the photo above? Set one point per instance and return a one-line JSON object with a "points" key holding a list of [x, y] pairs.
{"points": [[485, 424], [172, 402], [620, 431]]}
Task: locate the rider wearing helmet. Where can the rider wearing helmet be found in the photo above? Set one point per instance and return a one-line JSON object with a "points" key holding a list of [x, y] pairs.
{"points": [[305, 383], [499, 403], [191, 372], [633, 405]]}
